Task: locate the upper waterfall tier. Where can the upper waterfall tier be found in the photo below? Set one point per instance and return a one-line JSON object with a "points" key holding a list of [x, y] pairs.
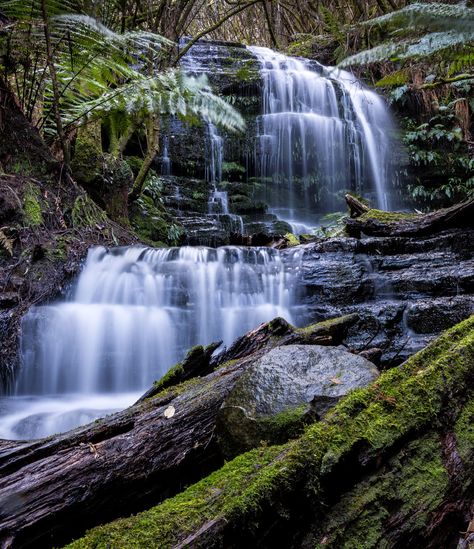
{"points": [[319, 127], [135, 312]]}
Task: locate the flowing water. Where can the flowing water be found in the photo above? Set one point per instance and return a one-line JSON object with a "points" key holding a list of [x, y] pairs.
{"points": [[133, 314], [135, 311], [321, 132]]}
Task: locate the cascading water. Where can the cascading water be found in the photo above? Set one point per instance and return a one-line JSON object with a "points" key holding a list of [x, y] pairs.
{"points": [[321, 132], [165, 159], [133, 314]]}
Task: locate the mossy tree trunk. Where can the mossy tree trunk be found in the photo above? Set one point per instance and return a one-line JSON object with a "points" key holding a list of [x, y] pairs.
{"points": [[134, 458], [153, 147], [390, 466]]}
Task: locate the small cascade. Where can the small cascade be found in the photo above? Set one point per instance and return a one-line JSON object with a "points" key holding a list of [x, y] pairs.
{"points": [[321, 132], [165, 159], [215, 154], [134, 313], [219, 205]]}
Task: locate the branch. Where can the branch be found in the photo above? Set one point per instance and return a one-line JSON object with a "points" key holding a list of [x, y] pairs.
{"points": [[213, 27]]}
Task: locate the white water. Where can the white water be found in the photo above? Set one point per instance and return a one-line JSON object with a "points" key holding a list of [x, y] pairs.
{"points": [[321, 132], [165, 159], [134, 313]]}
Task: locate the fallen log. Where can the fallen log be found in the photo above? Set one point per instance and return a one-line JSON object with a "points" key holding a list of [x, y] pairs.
{"points": [[52, 490], [371, 222], [391, 465]]}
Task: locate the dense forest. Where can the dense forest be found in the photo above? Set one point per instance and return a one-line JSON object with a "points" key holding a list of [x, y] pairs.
{"points": [[236, 273]]}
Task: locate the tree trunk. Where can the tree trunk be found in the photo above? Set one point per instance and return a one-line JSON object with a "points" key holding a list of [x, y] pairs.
{"points": [[378, 223], [52, 490], [153, 140]]}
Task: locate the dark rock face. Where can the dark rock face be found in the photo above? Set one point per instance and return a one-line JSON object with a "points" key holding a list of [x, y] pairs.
{"points": [[404, 290], [283, 386]]}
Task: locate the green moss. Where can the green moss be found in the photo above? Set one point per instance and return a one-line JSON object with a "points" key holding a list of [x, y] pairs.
{"points": [[387, 217], [464, 431], [412, 484], [394, 79], [58, 250], [135, 163], [247, 72], [153, 224], [86, 163], [370, 421], [86, 213], [284, 426], [32, 214], [292, 240]]}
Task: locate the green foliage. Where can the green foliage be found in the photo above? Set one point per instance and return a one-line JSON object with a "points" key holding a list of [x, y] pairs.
{"points": [[439, 158], [420, 30], [331, 225], [86, 213], [100, 72], [397, 78]]}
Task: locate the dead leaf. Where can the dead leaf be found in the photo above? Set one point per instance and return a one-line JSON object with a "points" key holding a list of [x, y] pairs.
{"points": [[169, 412]]}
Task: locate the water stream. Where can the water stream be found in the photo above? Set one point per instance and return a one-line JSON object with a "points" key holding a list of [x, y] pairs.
{"points": [[133, 314], [321, 133], [135, 311]]}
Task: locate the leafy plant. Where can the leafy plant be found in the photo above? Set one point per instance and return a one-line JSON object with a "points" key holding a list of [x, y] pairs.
{"points": [[419, 30]]}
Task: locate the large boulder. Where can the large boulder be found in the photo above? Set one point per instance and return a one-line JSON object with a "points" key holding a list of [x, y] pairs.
{"points": [[285, 387]]}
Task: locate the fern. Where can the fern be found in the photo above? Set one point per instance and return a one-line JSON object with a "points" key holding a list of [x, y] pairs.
{"points": [[445, 27], [5, 242]]}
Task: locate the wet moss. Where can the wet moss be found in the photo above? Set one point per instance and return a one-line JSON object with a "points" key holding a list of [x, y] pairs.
{"points": [[387, 217], [464, 431], [291, 240], [401, 402], [86, 213], [411, 486], [285, 425], [32, 211]]}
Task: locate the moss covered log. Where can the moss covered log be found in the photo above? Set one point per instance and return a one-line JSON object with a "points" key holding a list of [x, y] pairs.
{"points": [[374, 222], [390, 466]]}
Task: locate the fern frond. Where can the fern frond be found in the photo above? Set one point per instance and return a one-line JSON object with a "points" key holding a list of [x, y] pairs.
{"points": [[5, 242], [433, 17], [427, 45], [168, 93]]}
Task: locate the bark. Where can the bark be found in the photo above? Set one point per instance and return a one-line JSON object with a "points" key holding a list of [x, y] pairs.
{"points": [[390, 466], [52, 490], [376, 223]]}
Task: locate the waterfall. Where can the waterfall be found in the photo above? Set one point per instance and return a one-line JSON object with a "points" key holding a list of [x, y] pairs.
{"points": [[321, 132], [133, 314], [165, 159]]}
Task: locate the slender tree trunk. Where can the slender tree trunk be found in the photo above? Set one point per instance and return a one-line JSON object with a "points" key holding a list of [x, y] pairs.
{"points": [[153, 139], [54, 81]]}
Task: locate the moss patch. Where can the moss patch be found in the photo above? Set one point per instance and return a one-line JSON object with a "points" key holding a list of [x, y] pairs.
{"points": [[32, 211], [86, 213], [411, 485], [370, 421], [387, 217], [291, 240]]}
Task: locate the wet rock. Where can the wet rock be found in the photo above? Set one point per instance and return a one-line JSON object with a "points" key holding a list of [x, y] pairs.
{"points": [[9, 299], [282, 388], [431, 316], [372, 355], [404, 290]]}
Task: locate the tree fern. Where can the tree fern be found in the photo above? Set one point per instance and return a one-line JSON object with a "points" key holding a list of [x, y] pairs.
{"points": [[443, 28]]}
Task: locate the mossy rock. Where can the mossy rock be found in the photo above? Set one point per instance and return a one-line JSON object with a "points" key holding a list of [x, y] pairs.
{"points": [[86, 164], [375, 473], [86, 213]]}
